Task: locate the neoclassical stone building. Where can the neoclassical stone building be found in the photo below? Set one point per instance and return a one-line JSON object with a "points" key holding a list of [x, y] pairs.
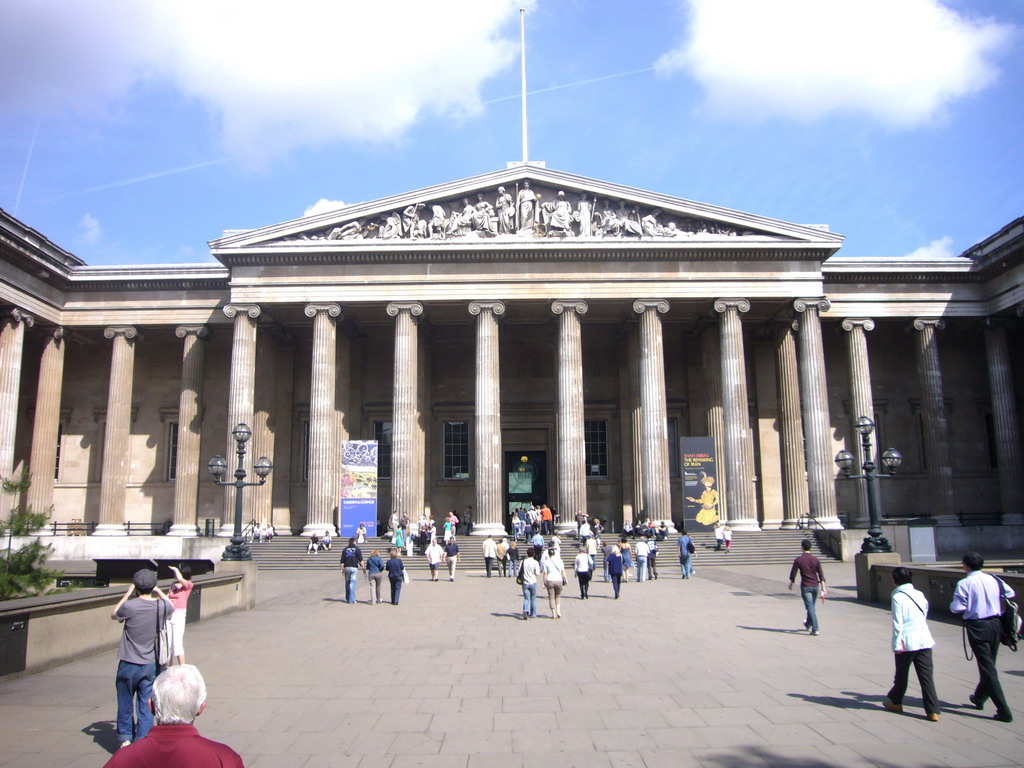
{"points": [[521, 318]]}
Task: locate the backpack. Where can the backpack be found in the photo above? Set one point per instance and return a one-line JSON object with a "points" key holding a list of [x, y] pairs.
{"points": [[519, 576]]}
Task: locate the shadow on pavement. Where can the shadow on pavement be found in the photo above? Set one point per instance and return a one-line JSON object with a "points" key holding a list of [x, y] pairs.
{"points": [[104, 734], [774, 629]]}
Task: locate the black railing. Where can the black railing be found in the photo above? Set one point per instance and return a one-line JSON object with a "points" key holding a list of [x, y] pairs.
{"points": [[980, 518], [74, 528]]}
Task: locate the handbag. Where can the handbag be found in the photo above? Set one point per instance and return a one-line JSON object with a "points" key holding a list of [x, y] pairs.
{"points": [[690, 548], [519, 576], [162, 641], [405, 577]]}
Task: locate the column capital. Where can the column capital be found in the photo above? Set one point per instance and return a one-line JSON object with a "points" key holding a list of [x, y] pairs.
{"points": [[849, 323], [572, 305], [936, 323], [414, 308], [642, 305], [821, 304], [724, 305], [252, 310], [332, 310], [199, 331], [129, 332], [16, 315], [496, 307], [994, 322]]}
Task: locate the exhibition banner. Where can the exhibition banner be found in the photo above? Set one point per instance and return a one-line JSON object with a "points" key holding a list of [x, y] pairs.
{"points": [[699, 462], [358, 487]]}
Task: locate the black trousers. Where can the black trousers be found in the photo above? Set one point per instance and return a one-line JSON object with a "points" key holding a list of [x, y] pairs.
{"points": [[922, 661], [489, 562], [983, 636], [584, 579]]}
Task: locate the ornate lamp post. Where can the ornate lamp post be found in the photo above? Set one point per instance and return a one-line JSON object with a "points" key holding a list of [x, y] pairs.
{"points": [[891, 459], [237, 550]]}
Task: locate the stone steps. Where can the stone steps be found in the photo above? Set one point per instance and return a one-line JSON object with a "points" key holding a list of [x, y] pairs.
{"points": [[288, 553]]}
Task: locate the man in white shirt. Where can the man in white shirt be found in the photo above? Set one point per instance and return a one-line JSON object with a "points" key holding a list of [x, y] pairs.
{"points": [[434, 555], [490, 547], [642, 551]]}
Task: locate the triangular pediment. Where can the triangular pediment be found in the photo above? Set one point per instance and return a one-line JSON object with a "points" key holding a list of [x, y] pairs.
{"points": [[528, 206]]}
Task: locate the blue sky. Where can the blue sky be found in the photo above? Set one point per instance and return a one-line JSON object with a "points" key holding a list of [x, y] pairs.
{"points": [[134, 131]]}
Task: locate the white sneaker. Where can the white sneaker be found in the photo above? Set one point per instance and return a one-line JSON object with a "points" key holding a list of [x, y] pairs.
{"points": [[125, 744]]}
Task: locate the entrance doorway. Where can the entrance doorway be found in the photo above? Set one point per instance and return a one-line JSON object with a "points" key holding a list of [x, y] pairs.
{"points": [[526, 480]]}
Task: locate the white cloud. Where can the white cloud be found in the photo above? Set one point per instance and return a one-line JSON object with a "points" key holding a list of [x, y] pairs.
{"points": [[91, 229], [936, 249], [323, 206], [273, 75], [898, 62]]}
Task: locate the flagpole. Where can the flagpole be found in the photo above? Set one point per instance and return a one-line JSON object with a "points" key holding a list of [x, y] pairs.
{"points": [[522, 59]]}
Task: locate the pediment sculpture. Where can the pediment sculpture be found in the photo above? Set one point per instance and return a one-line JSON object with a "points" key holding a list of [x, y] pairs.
{"points": [[528, 213]]}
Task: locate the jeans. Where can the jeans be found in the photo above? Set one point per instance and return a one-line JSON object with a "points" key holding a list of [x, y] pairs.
{"points": [[351, 574], [530, 599], [604, 569], [641, 568], [513, 568], [396, 589], [810, 596], [134, 684], [686, 565]]}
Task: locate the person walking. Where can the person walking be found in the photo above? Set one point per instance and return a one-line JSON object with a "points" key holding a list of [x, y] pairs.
{"points": [[351, 563], [396, 574], [554, 581], [626, 552], [977, 600], [615, 569], [652, 558], [584, 568], [643, 551], [719, 537], [513, 559], [178, 594], [451, 556], [375, 575], [727, 538], [812, 579], [911, 644], [606, 552], [529, 571], [434, 555], [502, 552], [490, 548]]}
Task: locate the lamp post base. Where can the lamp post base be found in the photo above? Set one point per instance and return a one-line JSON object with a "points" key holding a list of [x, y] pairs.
{"points": [[237, 550], [875, 544]]}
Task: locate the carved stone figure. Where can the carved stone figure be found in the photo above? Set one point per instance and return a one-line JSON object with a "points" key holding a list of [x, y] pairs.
{"points": [[483, 217], [352, 230], [649, 224], [392, 228], [559, 216], [415, 227], [526, 205], [438, 223], [506, 212], [584, 216], [631, 221]]}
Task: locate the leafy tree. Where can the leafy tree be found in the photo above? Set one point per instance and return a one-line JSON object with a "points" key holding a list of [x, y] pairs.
{"points": [[21, 570]]}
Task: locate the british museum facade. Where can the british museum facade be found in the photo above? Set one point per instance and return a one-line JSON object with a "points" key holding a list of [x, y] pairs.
{"points": [[523, 335]]}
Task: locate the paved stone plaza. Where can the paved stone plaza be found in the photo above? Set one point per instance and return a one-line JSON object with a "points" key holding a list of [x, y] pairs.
{"points": [[710, 672]]}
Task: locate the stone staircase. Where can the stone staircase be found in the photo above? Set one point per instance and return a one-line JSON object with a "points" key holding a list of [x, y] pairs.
{"points": [[288, 553]]}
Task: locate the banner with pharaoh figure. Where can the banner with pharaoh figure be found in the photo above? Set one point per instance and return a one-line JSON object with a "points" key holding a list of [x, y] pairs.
{"points": [[699, 460], [358, 487]]}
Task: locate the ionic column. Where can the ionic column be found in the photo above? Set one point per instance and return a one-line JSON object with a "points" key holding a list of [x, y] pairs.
{"points": [[1007, 428], [116, 438], [190, 429], [46, 428], [12, 345], [404, 435], [488, 458], [791, 432], [572, 478], [739, 442], [259, 503], [657, 503], [636, 425], [861, 403], [938, 455], [711, 366], [323, 453], [820, 469], [241, 397]]}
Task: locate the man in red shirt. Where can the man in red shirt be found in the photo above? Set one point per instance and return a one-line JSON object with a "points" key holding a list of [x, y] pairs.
{"points": [[179, 697], [811, 579]]}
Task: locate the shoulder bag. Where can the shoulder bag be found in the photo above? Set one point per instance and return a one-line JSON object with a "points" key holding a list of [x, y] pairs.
{"points": [[162, 642]]}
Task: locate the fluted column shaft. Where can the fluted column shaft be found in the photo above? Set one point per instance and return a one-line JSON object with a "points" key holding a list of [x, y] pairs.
{"points": [[938, 455], [12, 347], [1006, 424], [190, 429], [636, 424], [404, 436], [46, 427], [241, 395], [259, 502], [323, 453], [820, 469], [572, 460], [861, 403], [116, 438], [739, 457], [791, 429], [488, 456], [654, 412], [711, 366]]}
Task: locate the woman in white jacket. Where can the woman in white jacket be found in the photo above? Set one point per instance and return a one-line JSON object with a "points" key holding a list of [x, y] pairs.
{"points": [[911, 644]]}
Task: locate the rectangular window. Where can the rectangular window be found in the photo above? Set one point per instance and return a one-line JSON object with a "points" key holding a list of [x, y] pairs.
{"points": [[456, 450], [172, 450], [382, 434], [595, 438], [673, 448]]}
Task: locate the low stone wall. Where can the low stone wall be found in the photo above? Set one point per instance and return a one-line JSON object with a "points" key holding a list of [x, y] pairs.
{"points": [[992, 541], [60, 628], [130, 547], [937, 584]]}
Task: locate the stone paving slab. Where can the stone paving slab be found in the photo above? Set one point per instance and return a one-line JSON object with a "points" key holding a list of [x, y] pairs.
{"points": [[711, 672]]}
